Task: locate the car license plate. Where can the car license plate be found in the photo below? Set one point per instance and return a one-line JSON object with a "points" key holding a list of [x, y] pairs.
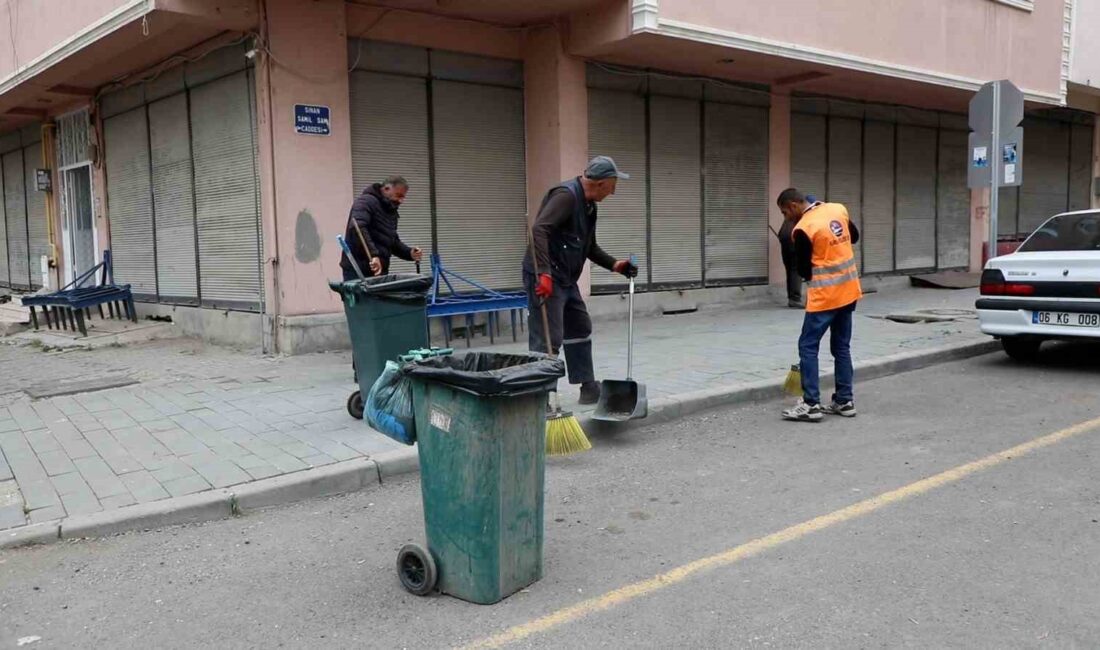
{"points": [[1066, 319]]}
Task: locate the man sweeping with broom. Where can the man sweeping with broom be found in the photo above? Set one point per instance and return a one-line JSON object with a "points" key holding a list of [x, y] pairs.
{"points": [[564, 238], [823, 239]]}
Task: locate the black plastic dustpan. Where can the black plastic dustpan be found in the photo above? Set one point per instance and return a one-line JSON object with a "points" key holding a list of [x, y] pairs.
{"points": [[623, 399]]}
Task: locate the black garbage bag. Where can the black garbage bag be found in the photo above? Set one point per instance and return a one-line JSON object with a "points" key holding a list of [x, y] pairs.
{"points": [[396, 287], [490, 374]]}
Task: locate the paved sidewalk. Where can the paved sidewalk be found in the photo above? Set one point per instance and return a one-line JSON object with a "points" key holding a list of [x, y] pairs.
{"points": [[201, 418]]}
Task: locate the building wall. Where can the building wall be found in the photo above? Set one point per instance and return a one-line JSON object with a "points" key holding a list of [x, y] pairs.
{"points": [[1085, 59], [974, 40]]}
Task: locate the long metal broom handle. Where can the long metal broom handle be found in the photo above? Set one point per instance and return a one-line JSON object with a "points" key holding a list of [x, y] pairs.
{"points": [[630, 336]]}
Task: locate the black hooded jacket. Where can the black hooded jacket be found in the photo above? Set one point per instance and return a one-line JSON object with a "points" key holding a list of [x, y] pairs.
{"points": [[377, 218]]}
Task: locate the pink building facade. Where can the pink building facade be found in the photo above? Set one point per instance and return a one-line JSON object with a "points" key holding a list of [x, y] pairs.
{"points": [[170, 130]]}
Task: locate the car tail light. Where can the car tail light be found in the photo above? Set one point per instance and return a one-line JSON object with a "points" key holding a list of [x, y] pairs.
{"points": [[1019, 289], [993, 282]]}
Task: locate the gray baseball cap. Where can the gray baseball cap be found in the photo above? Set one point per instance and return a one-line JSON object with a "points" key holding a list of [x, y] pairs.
{"points": [[602, 167]]}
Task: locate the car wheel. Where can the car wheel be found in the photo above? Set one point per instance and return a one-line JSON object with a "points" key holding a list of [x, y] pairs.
{"points": [[1022, 349]]}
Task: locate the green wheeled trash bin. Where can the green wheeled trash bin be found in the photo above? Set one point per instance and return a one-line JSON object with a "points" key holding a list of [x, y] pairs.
{"points": [[481, 435], [387, 316]]}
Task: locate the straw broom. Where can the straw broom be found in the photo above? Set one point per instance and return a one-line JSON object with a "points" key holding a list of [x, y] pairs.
{"points": [[564, 434]]}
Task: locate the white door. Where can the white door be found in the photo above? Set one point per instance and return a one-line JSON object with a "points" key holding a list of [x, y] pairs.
{"points": [[78, 225]]}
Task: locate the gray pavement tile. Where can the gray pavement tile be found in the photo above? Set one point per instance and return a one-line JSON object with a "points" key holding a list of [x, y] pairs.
{"points": [[70, 483], [200, 458], [175, 469], [39, 494], [41, 441], [48, 513], [123, 463], [118, 501], [144, 487], [277, 438], [159, 424], [15, 442], [26, 467], [299, 450], [250, 462], [319, 460], [186, 485], [5, 470], [80, 503], [100, 477], [286, 463], [9, 425], [78, 448], [263, 471], [56, 462], [179, 442], [12, 516], [230, 451], [336, 450], [222, 473]]}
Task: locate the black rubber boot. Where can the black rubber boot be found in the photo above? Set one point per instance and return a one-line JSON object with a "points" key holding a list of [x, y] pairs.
{"points": [[590, 392]]}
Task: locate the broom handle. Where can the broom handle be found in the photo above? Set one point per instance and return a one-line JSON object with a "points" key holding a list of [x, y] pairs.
{"points": [[363, 241], [630, 336]]}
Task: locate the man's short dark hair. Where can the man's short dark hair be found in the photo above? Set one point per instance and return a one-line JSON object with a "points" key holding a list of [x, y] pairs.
{"points": [[790, 195], [396, 181]]}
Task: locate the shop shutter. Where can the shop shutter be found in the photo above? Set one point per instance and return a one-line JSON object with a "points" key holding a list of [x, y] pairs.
{"points": [[36, 214], [953, 204], [479, 146], [616, 128], [736, 195], [877, 227], [1080, 172], [5, 273], [916, 197], [675, 184], [389, 135], [130, 207], [1044, 192], [845, 180], [15, 202], [173, 200], [226, 205], [808, 154]]}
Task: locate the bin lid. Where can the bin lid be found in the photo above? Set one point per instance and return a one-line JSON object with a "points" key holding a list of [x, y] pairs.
{"points": [[490, 374]]}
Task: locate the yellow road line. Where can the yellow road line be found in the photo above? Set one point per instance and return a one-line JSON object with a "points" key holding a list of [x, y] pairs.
{"points": [[638, 589]]}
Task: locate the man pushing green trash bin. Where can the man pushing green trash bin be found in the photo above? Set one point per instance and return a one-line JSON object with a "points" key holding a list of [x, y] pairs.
{"points": [[564, 234]]}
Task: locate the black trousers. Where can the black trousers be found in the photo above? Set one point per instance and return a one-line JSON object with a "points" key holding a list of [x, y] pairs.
{"points": [[794, 281], [570, 328]]}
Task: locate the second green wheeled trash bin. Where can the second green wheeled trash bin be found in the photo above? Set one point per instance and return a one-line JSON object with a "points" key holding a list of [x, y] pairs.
{"points": [[387, 317], [481, 435]]}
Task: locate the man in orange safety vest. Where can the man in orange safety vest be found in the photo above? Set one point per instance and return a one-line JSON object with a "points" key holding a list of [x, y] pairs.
{"points": [[823, 239]]}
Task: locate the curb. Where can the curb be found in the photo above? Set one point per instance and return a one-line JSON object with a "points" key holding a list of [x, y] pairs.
{"points": [[364, 473]]}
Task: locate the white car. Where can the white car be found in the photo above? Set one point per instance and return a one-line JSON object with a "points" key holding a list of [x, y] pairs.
{"points": [[1049, 289]]}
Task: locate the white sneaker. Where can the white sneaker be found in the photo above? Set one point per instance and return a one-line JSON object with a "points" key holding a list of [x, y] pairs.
{"points": [[803, 412], [843, 409]]}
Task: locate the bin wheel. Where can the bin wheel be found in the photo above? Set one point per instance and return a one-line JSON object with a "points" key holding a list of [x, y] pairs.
{"points": [[416, 570], [355, 405]]}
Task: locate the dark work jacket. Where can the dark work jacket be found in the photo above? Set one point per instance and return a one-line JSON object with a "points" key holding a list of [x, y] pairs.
{"points": [[377, 217], [569, 245], [786, 242]]}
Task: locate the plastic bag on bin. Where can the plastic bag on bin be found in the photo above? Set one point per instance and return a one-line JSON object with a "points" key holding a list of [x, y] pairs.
{"points": [[490, 374], [389, 405], [395, 287]]}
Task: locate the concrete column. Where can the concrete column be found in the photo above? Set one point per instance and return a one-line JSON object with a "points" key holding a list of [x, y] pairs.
{"points": [[556, 97], [979, 228], [779, 179], [306, 179]]}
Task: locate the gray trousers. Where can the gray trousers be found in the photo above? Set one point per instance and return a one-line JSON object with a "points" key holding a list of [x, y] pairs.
{"points": [[570, 328]]}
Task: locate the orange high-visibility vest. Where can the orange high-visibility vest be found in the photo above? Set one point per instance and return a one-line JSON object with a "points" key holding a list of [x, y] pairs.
{"points": [[835, 281]]}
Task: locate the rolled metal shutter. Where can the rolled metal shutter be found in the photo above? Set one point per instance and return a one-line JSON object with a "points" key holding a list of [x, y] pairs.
{"points": [[736, 194], [173, 200], [878, 227], [36, 214], [226, 206], [953, 202], [845, 179], [616, 128], [1080, 171], [808, 148], [1045, 189], [129, 202], [389, 135], [916, 197], [479, 143], [675, 191], [15, 202], [5, 272]]}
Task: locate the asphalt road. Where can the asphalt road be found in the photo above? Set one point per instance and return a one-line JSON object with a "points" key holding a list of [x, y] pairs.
{"points": [[1002, 554]]}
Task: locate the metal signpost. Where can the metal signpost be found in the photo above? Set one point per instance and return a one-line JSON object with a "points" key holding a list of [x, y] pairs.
{"points": [[996, 145]]}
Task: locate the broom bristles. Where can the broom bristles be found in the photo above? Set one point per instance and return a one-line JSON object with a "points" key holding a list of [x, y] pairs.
{"points": [[793, 384], [565, 436]]}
